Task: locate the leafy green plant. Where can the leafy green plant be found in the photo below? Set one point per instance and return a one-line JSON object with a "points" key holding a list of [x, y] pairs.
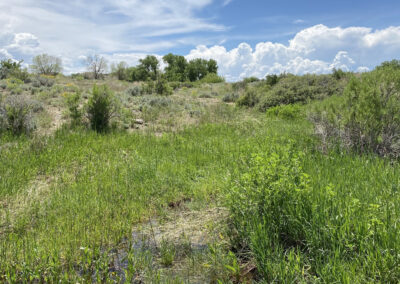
{"points": [[285, 111], [73, 103], [167, 252], [101, 108]]}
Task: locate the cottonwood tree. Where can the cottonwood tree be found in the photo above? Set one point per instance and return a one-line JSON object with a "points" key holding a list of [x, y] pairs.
{"points": [[176, 69], [46, 64], [151, 66], [97, 65]]}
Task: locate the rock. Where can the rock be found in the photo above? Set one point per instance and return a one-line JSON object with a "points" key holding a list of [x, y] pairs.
{"points": [[139, 121]]}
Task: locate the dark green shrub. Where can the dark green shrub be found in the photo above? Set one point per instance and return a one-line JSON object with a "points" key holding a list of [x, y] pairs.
{"points": [[175, 85], [338, 74], [292, 89], [250, 80], [162, 88], [100, 108], [249, 99], [367, 119], [272, 80]]}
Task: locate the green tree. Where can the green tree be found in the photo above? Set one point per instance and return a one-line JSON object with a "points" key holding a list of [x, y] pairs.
{"points": [[176, 69], [197, 69], [212, 66], [150, 65], [10, 68], [46, 64]]}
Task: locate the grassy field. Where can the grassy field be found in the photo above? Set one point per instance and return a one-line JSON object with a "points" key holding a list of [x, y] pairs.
{"points": [[200, 192]]}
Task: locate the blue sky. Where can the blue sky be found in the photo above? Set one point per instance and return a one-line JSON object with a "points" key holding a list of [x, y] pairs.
{"points": [[247, 38]]}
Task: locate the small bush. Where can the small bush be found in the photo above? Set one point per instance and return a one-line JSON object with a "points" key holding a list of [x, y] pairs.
{"points": [[367, 118], [212, 78], [239, 86], [100, 108], [285, 111], [134, 91], [75, 113], [148, 87], [45, 81], [162, 88], [230, 98], [160, 102], [249, 99], [16, 115]]}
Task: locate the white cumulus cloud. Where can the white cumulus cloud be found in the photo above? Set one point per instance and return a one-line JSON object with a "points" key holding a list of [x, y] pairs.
{"points": [[317, 49]]}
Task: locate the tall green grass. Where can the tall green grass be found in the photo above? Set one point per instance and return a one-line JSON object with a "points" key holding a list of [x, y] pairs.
{"points": [[304, 216], [71, 199], [312, 217]]}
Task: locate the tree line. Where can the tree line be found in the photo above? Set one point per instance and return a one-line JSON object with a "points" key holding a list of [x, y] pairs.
{"points": [[178, 68]]}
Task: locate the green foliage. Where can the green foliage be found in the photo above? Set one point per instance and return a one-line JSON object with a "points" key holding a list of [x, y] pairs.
{"points": [[41, 80], [149, 86], [120, 70], [198, 68], [16, 115], [248, 99], [270, 205], [272, 80], [394, 64], [250, 80], [150, 65], [293, 89], [9, 68], [100, 108], [285, 111], [176, 69], [338, 74], [230, 98], [368, 117], [73, 104], [212, 78], [309, 217], [46, 65], [134, 91], [167, 252], [162, 87]]}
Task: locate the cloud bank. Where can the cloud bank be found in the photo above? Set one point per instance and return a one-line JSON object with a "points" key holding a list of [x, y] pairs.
{"points": [[317, 49]]}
